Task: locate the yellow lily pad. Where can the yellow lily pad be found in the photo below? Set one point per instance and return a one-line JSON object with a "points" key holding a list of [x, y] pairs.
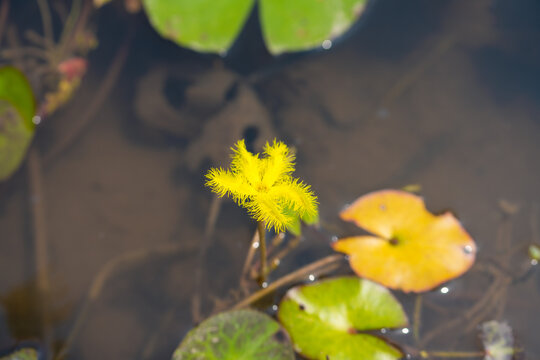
{"points": [[410, 249]]}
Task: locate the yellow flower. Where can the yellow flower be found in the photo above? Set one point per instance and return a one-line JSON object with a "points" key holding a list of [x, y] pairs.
{"points": [[264, 186]]}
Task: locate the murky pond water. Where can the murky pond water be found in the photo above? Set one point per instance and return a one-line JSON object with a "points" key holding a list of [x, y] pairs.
{"points": [[442, 94]]}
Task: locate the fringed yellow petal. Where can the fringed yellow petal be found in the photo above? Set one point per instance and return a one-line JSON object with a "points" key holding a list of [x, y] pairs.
{"points": [[265, 186], [224, 182], [246, 164], [278, 163], [297, 196], [271, 212]]}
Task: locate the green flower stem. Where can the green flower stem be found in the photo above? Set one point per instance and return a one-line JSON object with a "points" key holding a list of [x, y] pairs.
{"points": [[262, 246]]}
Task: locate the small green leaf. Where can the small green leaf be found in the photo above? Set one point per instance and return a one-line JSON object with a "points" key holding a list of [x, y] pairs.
{"points": [[17, 108], [236, 335], [202, 25], [534, 252], [304, 24], [326, 320], [15, 89], [15, 137], [295, 228]]}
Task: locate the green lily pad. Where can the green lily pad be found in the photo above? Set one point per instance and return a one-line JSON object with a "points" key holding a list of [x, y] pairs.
{"points": [[212, 25], [202, 25], [330, 319], [236, 335], [304, 24]]}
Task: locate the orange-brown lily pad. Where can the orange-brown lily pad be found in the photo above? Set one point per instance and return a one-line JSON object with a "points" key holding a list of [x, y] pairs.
{"points": [[410, 249]]}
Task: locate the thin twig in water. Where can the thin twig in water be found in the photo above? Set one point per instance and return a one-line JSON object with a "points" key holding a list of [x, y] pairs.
{"points": [[452, 354], [213, 214], [37, 204], [106, 271], [150, 347], [204, 245], [417, 317], [276, 259], [326, 263], [471, 313], [244, 277]]}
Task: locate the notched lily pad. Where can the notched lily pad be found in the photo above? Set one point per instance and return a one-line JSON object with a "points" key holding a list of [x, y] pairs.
{"points": [[213, 25], [329, 319], [410, 249], [202, 25], [235, 335]]}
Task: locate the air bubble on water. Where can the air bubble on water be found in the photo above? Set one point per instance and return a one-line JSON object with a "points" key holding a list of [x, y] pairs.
{"points": [[326, 44]]}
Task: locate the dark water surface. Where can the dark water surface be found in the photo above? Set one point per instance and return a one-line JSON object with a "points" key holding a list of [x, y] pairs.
{"points": [[445, 94]]}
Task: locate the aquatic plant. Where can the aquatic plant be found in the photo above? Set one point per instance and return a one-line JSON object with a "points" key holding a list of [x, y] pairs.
{"points": [[410, 249], [213, 25], [265, 187]]}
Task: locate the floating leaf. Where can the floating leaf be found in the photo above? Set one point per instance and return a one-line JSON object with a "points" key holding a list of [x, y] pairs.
{"points": [[412, 249], [327, 319], [212, 25], [498, 340], [304, 24], [242, 334], [15, 89], [202, 25]]}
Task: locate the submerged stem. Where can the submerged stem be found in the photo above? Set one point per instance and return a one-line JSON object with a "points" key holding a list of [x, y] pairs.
{"points": [[451, 354], [42, 261], [46, 20], [417, 317]]}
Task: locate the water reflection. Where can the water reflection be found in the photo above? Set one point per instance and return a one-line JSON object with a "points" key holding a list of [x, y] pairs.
{"points": [[430, 93]]}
